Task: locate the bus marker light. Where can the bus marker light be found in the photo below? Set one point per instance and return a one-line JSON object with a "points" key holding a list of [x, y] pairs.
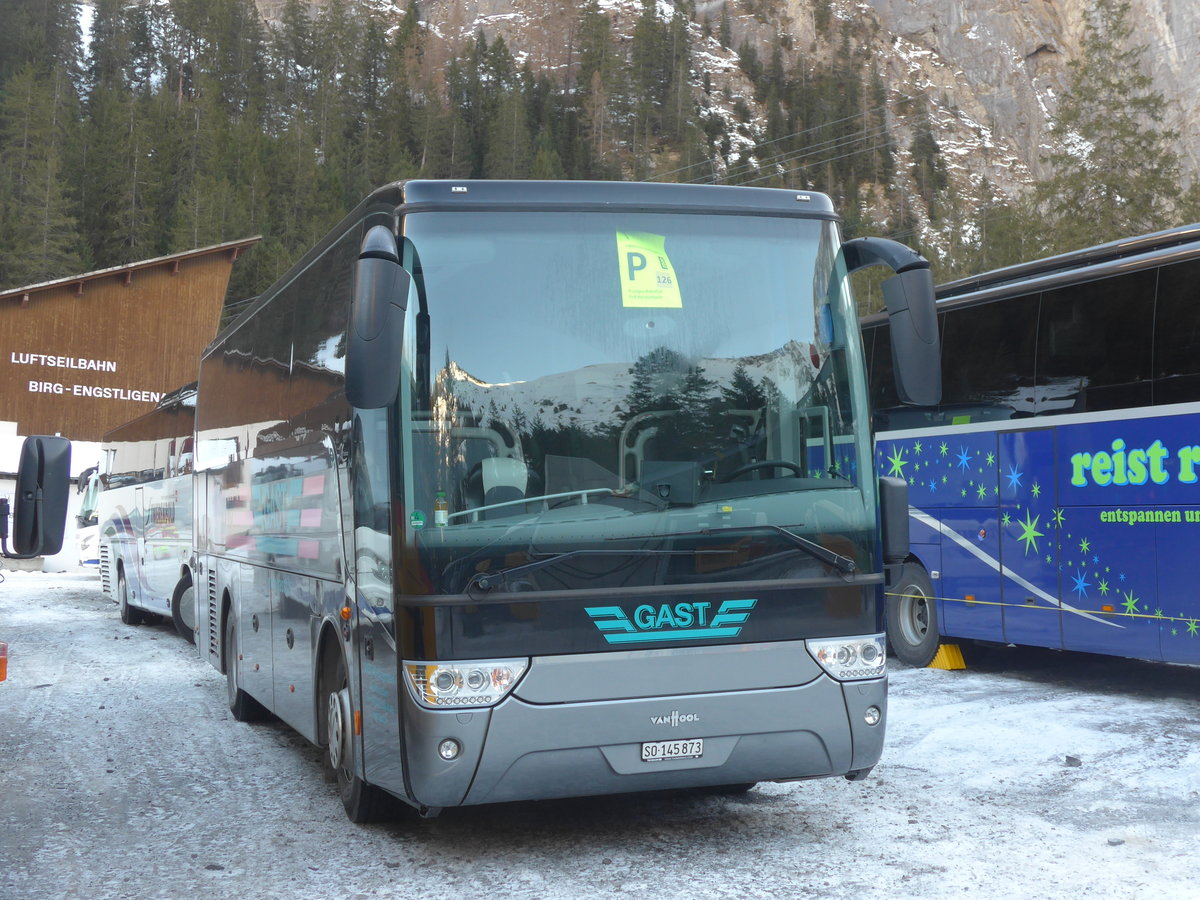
{"points": [[449, 749], [3, 660], [969, 599], [358, 722], [346, 612], [1107, 607]]}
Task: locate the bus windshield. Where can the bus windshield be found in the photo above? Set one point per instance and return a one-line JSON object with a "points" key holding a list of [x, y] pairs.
{"points": [[644, 389]]}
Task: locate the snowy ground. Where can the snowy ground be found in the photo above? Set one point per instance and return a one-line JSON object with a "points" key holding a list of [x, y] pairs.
{"points": [[122, 775]]}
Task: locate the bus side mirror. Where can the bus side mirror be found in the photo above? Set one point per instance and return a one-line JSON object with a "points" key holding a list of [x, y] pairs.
{"points": [[375, 335], [40, 507], [893, 519], [912, 316]]}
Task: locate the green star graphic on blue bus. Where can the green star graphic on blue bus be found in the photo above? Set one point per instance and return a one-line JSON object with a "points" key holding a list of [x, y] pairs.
{"points": [[898, 462], [1029, 533]]}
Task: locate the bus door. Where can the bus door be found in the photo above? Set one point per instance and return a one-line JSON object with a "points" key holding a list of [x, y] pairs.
{"points": [[1114, 550], [962, 494], [139, 523], [1031, 525]]}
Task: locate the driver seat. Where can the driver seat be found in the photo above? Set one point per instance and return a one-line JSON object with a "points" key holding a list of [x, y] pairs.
{"points": [[497, 479]]}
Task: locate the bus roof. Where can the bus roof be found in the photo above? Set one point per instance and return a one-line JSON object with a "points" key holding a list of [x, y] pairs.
{"points": [[453, 194], [1073, 261]]}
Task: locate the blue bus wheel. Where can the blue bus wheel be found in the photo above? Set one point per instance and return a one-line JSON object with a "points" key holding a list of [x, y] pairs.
{"points": [[912, 625]]}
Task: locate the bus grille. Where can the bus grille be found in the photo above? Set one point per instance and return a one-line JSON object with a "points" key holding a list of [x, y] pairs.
{"points": [[105, 573], [214, 615]]}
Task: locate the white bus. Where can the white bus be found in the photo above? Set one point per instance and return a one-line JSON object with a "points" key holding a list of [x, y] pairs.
{"points": [[144, 514]]}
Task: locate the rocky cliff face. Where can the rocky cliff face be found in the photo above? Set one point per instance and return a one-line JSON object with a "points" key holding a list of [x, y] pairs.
{"points": [[991, 71], [1007, 59]]}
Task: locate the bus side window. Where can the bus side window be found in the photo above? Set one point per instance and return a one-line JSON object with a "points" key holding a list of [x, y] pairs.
{"points": [[1177, 334], [1092, 353], [998, 382]]}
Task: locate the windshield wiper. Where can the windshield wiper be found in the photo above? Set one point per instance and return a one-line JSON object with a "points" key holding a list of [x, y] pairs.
{"points": [[487, 581], [843, 564]]}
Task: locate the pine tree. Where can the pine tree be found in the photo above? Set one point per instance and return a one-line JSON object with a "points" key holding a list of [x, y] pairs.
{"points": [[509, 151], [601, 90], [41, 234], [1114, 173]]}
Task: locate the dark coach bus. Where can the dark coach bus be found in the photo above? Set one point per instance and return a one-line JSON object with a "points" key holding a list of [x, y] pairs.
{"points": [[519, 490]]}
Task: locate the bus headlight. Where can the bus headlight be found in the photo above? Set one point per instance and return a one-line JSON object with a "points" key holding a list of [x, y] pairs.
{"points": [[850, 658], [440, 685]]}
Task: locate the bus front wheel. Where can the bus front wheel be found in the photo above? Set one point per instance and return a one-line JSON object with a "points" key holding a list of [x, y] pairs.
{"points": [[129, 615], [363, 802], [912, 625]]}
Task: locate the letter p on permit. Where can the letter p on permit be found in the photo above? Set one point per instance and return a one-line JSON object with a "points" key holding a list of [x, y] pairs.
{"points": [[635, 262]]}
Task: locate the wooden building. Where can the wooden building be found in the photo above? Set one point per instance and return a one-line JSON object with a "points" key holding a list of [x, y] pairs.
{"points": [[82, 355]]}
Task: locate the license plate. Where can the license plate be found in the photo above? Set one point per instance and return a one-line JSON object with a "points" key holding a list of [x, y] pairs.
{"points": [[656, 751]]}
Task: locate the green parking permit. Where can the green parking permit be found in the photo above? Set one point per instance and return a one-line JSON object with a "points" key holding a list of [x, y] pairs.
{"points": [[648, 279]]}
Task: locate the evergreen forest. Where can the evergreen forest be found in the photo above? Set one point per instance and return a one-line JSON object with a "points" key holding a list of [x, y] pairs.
{"points": [[182, 124]]}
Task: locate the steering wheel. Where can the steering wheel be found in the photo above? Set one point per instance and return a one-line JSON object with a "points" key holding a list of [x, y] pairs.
{"points": [[764, 464]]}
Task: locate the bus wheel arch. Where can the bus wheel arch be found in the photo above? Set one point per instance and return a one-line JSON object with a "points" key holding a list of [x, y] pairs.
{"points": [[363, 802], [244, 707], [912, 621]]}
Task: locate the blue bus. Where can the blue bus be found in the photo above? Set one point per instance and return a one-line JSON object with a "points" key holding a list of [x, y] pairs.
{"points": [[1055, 491]]}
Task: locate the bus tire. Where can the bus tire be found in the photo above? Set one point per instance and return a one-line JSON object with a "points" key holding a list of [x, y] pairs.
{"points": [[363, 802], [912, 625], [130, 615], [183, 609], [244, 707]]}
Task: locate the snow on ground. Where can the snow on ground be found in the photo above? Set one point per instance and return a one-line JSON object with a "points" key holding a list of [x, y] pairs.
{"points": [[122, 775]]}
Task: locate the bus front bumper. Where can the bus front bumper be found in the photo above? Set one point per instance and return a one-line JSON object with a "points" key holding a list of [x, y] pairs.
{"points": [[529, 751]]}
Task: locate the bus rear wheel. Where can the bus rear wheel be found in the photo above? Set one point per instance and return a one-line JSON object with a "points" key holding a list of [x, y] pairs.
{"points": [[363, 802], [912, 625], [183, 610], [244, 707]]}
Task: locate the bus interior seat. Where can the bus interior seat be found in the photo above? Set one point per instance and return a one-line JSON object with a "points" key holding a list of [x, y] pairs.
{"points": [[498, 479]]}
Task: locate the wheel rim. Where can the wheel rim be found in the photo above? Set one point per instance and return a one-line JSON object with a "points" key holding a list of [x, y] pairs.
{"points": [[123, 595], [339, 718], [914, 614]]}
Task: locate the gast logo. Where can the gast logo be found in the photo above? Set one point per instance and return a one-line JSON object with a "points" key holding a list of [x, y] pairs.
{"points": [[671, 621]]}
